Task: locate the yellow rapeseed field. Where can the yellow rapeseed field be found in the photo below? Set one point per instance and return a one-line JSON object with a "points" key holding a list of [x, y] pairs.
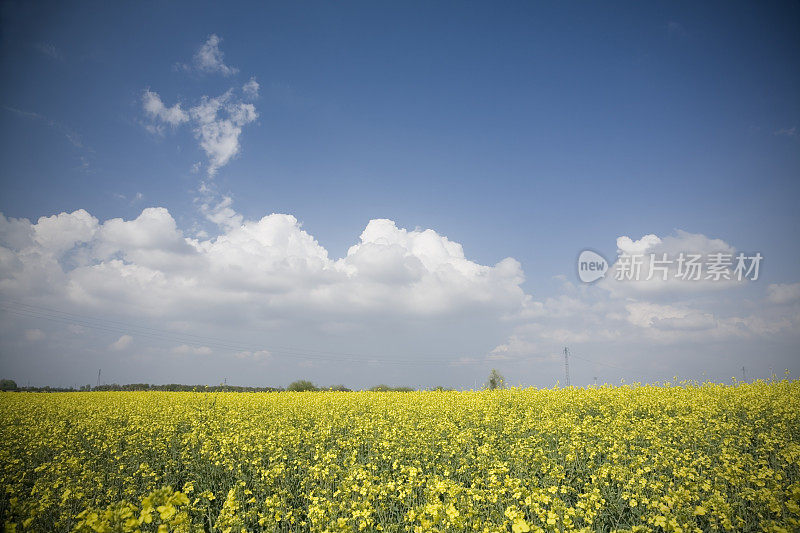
{"points": [[643, 458]]}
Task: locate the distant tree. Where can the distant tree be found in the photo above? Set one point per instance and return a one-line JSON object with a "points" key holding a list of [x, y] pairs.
{"points": [[8, 384], [496, 380], [386, 388], [301, 385], [338, 388]]}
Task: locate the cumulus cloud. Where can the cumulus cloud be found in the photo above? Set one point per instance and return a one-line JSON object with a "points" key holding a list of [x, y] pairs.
{"points": [[147, 263], [677, 263], [121, 343], [622, 315], [393, 285], [628, 246], [15, 233], [59, 233]]}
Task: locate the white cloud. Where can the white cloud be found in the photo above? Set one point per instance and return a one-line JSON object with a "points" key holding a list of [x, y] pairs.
{"points": [[155, 109], [666, 317], [394, 286], [221, 213], [210, 59], [250, 89], [121, 343], [217, 122], [59, 233], [783, 293], [694, 321], [258, 355], [147, 264], [15, 233], [185, 349], [655, 281], [518, 348], [218, 125], [628, 246], [34, 335], [620, 316], [151, 266]]}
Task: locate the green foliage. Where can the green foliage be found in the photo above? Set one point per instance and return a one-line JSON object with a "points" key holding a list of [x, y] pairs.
{"points": [[161, 510], [177, 387], [8, 384], [496, 380], [301, 385], [672, 457], [386, 388]]}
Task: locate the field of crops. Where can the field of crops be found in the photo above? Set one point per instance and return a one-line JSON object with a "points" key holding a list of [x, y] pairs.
{"points": [[671, 458]]}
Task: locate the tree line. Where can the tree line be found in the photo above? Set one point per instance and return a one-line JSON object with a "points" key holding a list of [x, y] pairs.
{"points": [[296, 386], [496, 380]]}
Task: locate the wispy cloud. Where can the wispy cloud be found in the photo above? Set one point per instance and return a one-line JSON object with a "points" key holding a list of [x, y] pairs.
{"points": [[676, 29], [34, 335], [185, 349], [49, 50], [68, 133], [136, 198], [250, 89], [71, 135], [209, 59], [217, 208], [786, 132]]}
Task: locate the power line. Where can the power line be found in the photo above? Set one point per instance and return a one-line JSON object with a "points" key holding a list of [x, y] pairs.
{"points": [[595, 362]]}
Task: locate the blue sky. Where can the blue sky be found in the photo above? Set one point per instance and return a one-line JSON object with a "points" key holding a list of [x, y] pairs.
{"points": [[529, 131]]}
